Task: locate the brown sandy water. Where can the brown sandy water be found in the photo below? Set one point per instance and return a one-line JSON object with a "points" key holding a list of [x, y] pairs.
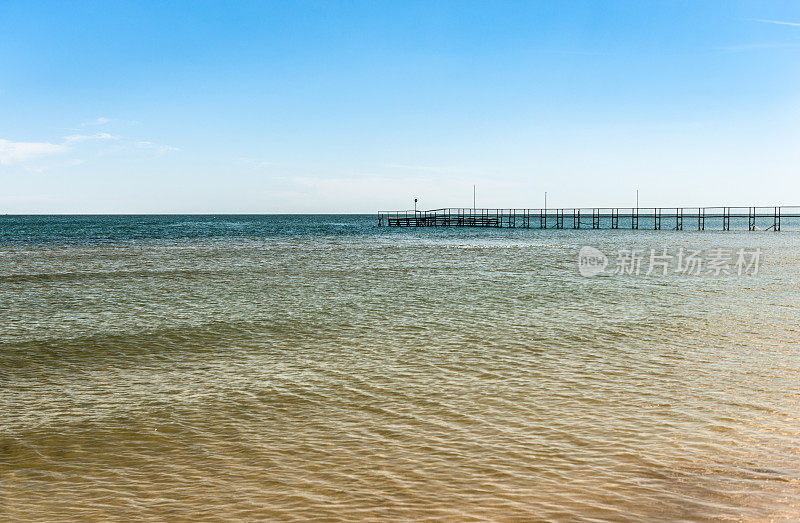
{"points": [[286, 370]]}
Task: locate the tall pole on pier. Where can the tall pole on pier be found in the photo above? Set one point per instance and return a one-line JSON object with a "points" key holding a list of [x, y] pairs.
{"points": [[473, 197], [545, 201], [637, 201]]}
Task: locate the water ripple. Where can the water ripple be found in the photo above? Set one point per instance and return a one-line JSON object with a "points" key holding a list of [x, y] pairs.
{"points": [[392, 377]]}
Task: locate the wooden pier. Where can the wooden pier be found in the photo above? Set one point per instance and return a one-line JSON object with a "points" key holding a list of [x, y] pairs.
{"points": [[654, 218]]}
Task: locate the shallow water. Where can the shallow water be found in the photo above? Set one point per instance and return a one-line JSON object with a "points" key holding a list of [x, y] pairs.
{"points": [[298, 367]]}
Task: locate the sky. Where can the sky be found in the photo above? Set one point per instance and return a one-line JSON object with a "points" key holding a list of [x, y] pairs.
{"points": [[355, 107]]}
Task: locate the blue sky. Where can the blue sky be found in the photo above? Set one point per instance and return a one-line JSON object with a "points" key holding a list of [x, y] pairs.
{"points": [[359, 106]]}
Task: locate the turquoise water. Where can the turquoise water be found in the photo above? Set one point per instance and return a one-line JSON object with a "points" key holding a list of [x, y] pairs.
{"points": [[296, 367]]}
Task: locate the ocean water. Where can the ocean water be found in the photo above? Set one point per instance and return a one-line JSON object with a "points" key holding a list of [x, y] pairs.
{"points": [[297, 367]]}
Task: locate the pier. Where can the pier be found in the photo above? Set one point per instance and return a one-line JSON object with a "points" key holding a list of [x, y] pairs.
{"points": [[654, 218]]}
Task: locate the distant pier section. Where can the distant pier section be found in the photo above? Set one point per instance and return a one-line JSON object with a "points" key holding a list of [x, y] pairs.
{"points": [[654, 218]]}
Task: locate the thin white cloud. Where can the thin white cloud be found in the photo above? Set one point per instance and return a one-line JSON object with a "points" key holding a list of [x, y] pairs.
{"points": [[430, 169], [50, 165], [256, 163], [776, 22], [98, 121], [159, 149], [754, 46], [391, 192], [14, 152], [87, 137]]}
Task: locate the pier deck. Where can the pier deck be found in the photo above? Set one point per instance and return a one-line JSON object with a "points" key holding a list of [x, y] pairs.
{"points": [[655, 218]]}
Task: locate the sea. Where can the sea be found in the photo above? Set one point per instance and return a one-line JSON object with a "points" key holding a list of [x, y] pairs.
{"points": [[299, 367]]}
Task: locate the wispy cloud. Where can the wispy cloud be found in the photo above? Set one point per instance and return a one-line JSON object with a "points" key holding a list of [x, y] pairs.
{"points": [[97, 121], [256, 163], [431, 169], [339, 193], [13, 152], [776, 22], [27, 153], [87, 137], [754, 46], [159, 149]]}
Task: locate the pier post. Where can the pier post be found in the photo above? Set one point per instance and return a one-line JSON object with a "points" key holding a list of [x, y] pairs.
{"points": [[726, 218], [751, 218]]}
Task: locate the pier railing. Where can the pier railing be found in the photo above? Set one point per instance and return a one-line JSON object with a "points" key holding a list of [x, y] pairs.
{"points": [[656, 218]]}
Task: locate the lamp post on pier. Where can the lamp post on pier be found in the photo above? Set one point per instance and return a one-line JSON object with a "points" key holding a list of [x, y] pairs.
{"points": [[473, 198]]}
